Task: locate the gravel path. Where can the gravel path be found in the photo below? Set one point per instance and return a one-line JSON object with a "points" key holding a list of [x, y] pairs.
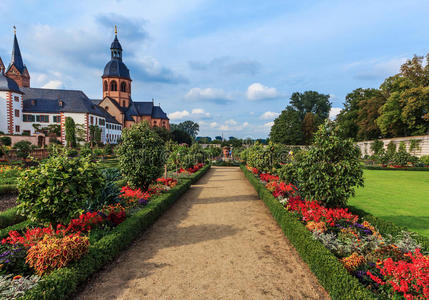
{"points": [[7, 201], [218, 241]]}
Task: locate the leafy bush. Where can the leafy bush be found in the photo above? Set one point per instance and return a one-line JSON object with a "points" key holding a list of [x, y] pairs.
{"points": [[425, 159], [13, 287], [70, 132], [329, 170], [391, 149], [108, 149], [402, 157], [86, 150], [5, 141], [377, 146], [109, 193], [141, 155], [23, 149], [57, 190], [52, 252]]}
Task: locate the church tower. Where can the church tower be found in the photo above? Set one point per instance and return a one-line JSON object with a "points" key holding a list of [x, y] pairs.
{"points": [[116, 77], [17, 70]]}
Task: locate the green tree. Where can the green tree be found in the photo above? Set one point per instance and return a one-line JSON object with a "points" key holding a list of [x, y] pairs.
{"points": [[70, 132], [141, 155], [309, 127], [181, 137], [189, 127], [287, 128], [311, 102]]}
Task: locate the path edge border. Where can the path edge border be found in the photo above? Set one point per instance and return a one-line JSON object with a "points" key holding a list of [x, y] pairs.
{"points": [[62, 283], [329, 271]]}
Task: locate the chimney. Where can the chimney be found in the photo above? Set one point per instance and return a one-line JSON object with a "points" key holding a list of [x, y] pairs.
{"points": [[33, 102], [60, 102]]}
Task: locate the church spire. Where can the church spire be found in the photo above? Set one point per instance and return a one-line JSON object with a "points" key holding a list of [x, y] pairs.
{"points": [[115, 47], [17, 70], [16, 58]]}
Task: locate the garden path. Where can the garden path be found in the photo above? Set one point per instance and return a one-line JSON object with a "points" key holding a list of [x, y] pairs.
{"points": [[218, 241]]}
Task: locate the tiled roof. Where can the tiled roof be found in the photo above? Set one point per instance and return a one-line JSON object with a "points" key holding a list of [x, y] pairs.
{"points": [[16, 58], [7, 84], [158, 113], [116, 68]]}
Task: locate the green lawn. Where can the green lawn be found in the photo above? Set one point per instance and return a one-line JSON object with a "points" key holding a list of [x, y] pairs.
{"points": [[401, 197]]}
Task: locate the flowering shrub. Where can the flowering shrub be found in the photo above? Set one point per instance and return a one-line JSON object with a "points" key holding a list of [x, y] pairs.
{"points": [[53, 252], [133, 197], [268, 177], [167, 181], [115, 213]]}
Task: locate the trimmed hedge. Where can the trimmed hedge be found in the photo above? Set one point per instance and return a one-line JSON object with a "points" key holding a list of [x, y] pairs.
{"points": [[396, 169], [63, 282], [8, 188], [328, 269], [10, 217]]}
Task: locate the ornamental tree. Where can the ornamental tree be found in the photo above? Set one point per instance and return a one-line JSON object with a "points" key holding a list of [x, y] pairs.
{"points": [[141, 155], [70, 132], [330, 170]]}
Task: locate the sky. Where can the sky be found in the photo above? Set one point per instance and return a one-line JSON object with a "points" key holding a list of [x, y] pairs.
{"points": [[231, 66]]}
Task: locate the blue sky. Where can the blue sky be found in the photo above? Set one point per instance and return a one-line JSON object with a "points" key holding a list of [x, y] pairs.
{"points": [[229, 65]]}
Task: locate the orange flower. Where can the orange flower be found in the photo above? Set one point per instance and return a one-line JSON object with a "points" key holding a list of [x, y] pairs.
{"points": [[353, 261], [17, 277]]}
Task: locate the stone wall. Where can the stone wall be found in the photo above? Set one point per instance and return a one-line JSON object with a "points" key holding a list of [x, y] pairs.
{"points": [[365, 146]]}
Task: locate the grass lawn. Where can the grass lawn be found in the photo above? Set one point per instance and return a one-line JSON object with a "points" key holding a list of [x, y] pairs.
{"points": [[401, 197]]}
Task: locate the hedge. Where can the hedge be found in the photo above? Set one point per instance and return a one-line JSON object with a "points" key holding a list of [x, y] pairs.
{"points": [[396, 169], [10, 217], [8, 188], [328, 269], [63, 282]]}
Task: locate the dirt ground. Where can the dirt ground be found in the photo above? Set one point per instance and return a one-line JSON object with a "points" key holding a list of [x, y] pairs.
{"points": [[7, 201], [218, 241]]}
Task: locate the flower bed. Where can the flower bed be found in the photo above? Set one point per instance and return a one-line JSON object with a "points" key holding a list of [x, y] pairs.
{"points": [[65, 255], [389, 267]]}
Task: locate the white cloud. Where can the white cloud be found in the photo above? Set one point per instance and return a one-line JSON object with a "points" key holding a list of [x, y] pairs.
{"points": [[53, 84], [230, 125], [213, 124], [231, 122], [196, 113], [269, 115], [177, 115], [257, 91], [269, 124], [208, 94], [334, 112]]}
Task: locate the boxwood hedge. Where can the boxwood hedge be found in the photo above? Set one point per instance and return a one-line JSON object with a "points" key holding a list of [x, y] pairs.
{"points": [[63, 282]]}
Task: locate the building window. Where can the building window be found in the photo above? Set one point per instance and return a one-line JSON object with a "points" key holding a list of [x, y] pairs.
{"points": [[123, 86], [57, 119], [26, 132], [42, 118], [17, 113], [101, 122], [16, 98], [17, 128], [92, 120], [105, 85], [28, 118], [113, 86]]}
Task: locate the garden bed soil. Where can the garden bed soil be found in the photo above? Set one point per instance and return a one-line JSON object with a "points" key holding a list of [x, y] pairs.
{"points": [[7, 201], [218, 241]]}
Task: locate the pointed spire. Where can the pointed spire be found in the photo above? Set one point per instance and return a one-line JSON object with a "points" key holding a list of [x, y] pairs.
{"points": [[116, 30], [115, 47], [16, 58]]}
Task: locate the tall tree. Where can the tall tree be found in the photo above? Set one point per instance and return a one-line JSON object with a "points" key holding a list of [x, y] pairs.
{"points": [[287, 128], [190, 127], [311, 102]]}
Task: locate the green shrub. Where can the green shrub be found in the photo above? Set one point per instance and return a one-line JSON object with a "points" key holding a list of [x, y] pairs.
{"points": [[141, 155], [23, 149], [391, 149], [108, 149], [425, 159], [5, 140], [402, 157], [57, 190], [377, 146], [70, 132], [330, 170], [86, 150]]}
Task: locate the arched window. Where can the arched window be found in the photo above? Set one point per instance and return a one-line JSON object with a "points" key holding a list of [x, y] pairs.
{"points": [[113, 86], [123, 86], [105, 85], [106, 108]]}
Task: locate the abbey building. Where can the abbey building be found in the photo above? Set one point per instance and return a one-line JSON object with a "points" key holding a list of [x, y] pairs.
{"points": [[23, 108]]}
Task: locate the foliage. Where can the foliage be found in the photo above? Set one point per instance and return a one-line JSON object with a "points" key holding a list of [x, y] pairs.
{"points": [[94, 135], [181, 137], [189, 127], [377, 147], [164, 133], [425, 159], [23, 149], [13, 287], [108, 149], [141, 155], [70, 132], [402, 157], [52, 252], [57, 190], [12, 261]]}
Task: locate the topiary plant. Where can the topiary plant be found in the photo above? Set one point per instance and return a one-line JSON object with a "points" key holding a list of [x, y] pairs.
{"points": [[57, 190], [330, 170], [141, 155]]}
